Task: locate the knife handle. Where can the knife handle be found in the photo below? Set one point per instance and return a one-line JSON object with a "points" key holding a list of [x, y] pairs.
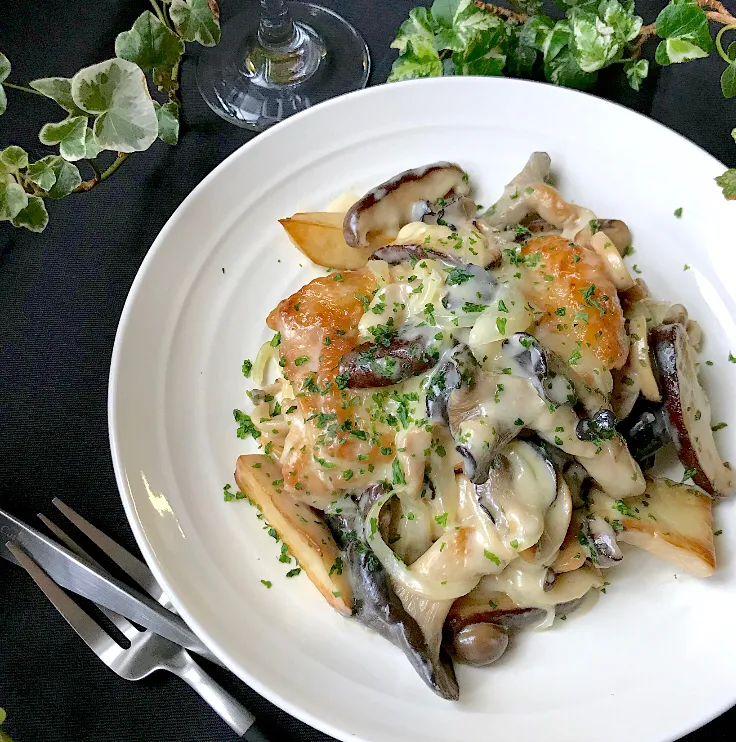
{"points": [[230, 710], [254, 734]]}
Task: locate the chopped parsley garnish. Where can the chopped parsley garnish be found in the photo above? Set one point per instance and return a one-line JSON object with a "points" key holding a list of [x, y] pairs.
{"points": [[338, 277], [501, 325], [374, 526], [398, 473], [490, 555], [247, 368], [267, 583], [301, 360], [514, 544], [469, 307], [337, 566], [342, 380], [625, 509], [458, 276], [594, 225], [686, 267], [245, 425], [678, 212], [347, 474], [518, 421], [560, 312], [276, 340], [689, 474], [718, 426], [441, 520], [497, 394], [502, 306], [574, 357], [293, 572]]}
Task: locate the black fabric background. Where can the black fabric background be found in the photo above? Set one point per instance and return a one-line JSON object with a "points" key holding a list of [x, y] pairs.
{"points": [[61, 294]]}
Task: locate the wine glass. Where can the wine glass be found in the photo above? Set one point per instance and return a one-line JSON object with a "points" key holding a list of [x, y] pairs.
{"points": [[290, 57]]}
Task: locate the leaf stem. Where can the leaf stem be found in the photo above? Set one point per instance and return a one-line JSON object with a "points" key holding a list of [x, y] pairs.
{"points": [[719, 46], [88, 185], [159, 12], [24, 88], [119, 160]]}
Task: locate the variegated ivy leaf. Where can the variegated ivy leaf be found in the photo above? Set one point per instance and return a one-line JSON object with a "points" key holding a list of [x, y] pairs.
{"points": [[13, 199], [558, 38], [197, 20], [421, 26], [595, 44], [727, 182], [168, 122], [636, 71], [69, 134], [116, 92], [34, 217], [91, 145], [420, 61], [149, 44], [55, 175], [684, 27], [13, 159], [4, 72], [59, 89]]}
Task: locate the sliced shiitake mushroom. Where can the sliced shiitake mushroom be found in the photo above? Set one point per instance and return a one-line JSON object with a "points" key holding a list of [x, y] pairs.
{"points": [[374, 364], [688, 409], [391, 205], [300, 527]]}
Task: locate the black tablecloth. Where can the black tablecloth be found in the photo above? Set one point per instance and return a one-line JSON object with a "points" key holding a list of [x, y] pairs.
{"points": [[61, 294]]}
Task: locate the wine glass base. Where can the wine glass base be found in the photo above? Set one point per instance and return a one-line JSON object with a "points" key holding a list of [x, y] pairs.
{"points": [[246, 86]]}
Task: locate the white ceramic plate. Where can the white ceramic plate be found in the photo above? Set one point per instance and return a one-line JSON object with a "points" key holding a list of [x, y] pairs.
{"points": [[653, 659]]}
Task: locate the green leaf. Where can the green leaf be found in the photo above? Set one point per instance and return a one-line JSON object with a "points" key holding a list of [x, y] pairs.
{"points": [[424, 61], [55, 175], [684, 26], [13, 199], [621, 19], [674, 51], [727, 182], [728, 81], [5, 67], [557, 40], [59, 89], [636, 72], [564, 70], [483, 55], [13, 158], [594, 43], [91, 145], [116, 92], [535, 31], [3, 101], [459, 22], [733, 134], [168, 122], [731, 52], [70, 134], [444, 11], [34, 217], [196, 20], [149, 44], [420, 26], [521, 60]]}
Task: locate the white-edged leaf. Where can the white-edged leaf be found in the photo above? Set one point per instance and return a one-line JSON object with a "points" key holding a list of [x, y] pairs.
{"points": [[5, 67], [556, 40], [69, 134], [59, 89], [733, 134], [674, 51], [13, 158], [727, 182], [594, 42], [197, 20], [55, 175], [34, 217], [91, 145], [116, 91], [149, 44], [13, 199], [419, 26], [3, 101], [422, 61], [636, 72], [168, 122]]}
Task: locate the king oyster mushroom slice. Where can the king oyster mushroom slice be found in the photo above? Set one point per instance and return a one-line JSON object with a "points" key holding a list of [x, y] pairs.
{"points": [[528, 359], [520, 487], [688, 409], [646, 430], [374, 364], [454, 367], [511, 208], [457, 213], [391, 205], [602, 539]]}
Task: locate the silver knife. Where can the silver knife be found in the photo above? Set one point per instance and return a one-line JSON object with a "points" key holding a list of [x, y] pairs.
{"points": [[90, 581]]}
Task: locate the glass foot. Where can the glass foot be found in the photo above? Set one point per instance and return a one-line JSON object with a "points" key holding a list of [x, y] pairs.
{"points": [[255, 88]]}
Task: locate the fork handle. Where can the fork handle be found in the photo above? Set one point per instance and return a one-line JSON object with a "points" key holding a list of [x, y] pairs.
{"points": [[231, 711]]}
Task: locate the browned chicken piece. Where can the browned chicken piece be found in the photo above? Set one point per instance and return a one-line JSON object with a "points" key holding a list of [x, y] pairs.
{"points": [[318, 325], [582, 319]]}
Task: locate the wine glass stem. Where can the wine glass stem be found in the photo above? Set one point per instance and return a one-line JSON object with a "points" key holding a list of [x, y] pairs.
{"points": [[276, 29]]}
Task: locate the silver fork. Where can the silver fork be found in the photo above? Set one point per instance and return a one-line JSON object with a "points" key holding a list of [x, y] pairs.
{"points": [[148, 652]]}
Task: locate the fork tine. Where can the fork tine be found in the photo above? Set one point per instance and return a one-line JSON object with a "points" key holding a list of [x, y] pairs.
{"points": [[88, 629], [121, 623], [133, 567]]}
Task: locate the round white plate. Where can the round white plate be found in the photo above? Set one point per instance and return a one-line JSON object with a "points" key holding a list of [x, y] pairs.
{"points": [[654, 658]]}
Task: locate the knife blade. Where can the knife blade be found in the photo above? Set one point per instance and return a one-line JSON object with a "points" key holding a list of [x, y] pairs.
{"points": [[90, 581]]}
